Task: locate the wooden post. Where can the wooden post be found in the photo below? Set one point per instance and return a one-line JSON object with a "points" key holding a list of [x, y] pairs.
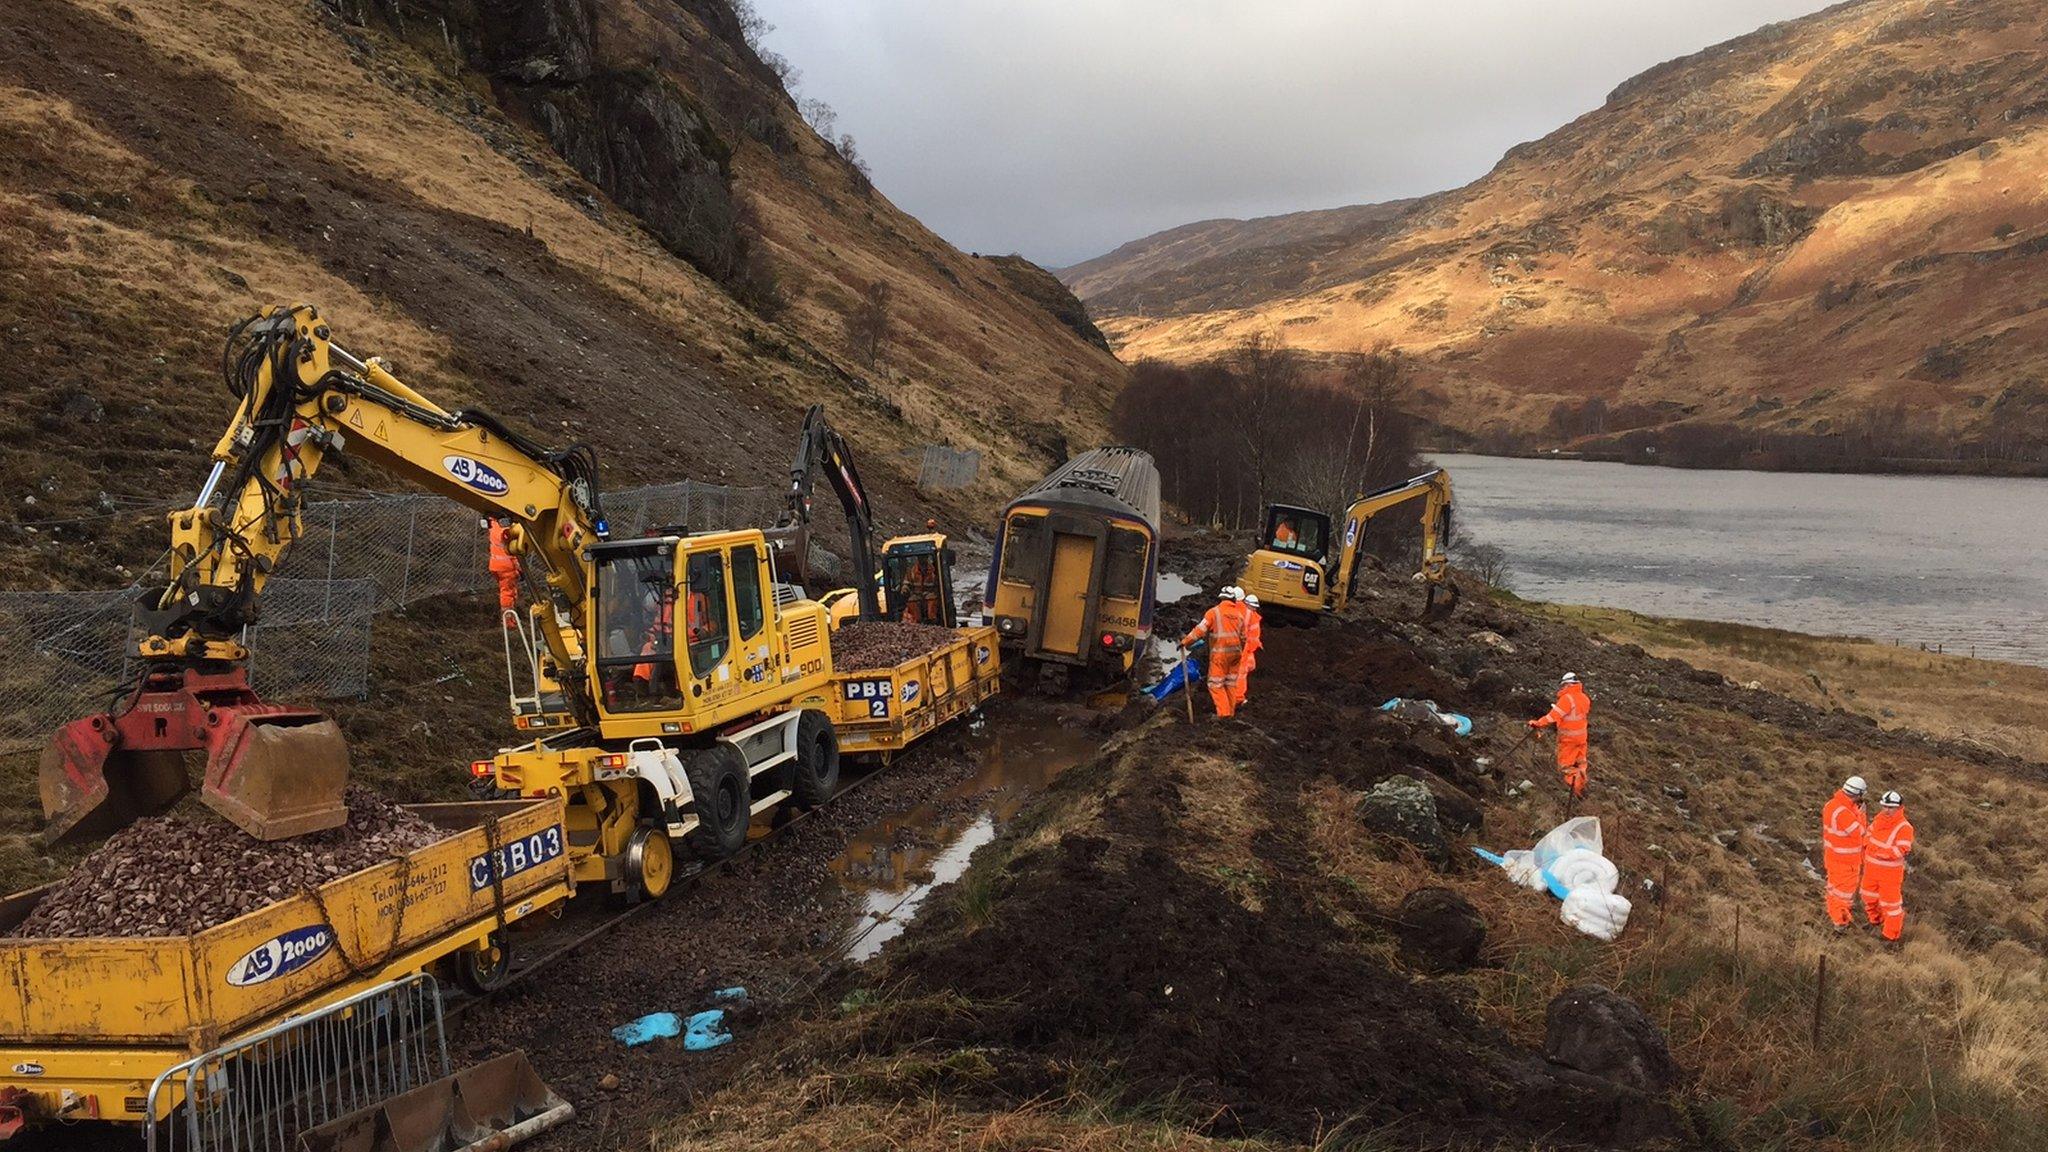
{"points": [[1735, 953], [1820, 997]]}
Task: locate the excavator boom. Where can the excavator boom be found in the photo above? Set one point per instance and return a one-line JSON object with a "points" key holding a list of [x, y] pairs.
{"points": [[278, 771]]}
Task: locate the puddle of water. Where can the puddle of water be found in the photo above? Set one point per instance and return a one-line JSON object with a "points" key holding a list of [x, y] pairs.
{"points": [[1173, 587], [896, 863]]}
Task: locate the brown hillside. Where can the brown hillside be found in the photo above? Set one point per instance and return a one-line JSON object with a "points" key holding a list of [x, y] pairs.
{"points": [[603, 219], [1827, 228]]}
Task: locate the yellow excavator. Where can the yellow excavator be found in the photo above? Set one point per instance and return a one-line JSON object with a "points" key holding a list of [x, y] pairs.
{"points": [[678, 656], [1301, 570]]}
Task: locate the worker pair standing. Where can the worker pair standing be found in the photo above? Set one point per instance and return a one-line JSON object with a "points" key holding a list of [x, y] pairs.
{"points": [[1866, 855], [1228, 629], [1569, 716]]}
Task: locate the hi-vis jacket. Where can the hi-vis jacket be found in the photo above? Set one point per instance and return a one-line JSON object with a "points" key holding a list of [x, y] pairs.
{"points": [[1569, 714], [1842, 826], [1889, 839], [1224, 626]]}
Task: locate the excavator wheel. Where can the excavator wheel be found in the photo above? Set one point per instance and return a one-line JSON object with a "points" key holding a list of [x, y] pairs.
{"points": [[718, 782], [817, 759], [485, 968], [650, 864]]}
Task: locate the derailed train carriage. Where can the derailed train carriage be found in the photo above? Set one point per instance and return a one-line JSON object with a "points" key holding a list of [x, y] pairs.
{"points": [[1071, 586]]}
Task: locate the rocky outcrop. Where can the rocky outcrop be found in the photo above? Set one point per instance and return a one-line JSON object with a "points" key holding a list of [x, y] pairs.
{"points": [[1602, 1033], [1440, 930], [1402, 807], [1045, 290]]}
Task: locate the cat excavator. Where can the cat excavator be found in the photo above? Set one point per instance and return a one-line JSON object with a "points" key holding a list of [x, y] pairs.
{"points": [[677, 659], [1300, 573]]}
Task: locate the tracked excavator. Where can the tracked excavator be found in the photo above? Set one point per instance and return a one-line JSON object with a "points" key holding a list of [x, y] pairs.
{"points": [[1301, 571], [913, 581]]}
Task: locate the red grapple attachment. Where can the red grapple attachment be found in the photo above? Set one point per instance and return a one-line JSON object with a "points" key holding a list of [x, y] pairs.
{"points": [[274, 771]]}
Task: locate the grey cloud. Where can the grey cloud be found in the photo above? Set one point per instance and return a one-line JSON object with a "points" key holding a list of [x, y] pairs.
{"points": [[1062, 128]]}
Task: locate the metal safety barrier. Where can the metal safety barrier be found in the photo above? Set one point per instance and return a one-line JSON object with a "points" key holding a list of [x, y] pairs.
{"points": [[258, 1093]]}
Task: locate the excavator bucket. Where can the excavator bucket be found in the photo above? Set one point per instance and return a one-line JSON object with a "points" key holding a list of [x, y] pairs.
{"points": [[274, 771], [492, 1105]]}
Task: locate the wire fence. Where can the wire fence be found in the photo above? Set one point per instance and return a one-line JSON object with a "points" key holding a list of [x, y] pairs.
{"points": [[69, 652], [943, 468]]}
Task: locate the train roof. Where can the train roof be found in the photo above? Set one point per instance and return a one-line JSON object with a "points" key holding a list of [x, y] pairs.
{"points": [[1114, 479]]}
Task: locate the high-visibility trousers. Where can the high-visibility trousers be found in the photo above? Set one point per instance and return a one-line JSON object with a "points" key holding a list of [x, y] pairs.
{"points": [[1845, 873], [1884, 890], [1245, 665], [508, 585], [1571, 764], [1223, 680]]}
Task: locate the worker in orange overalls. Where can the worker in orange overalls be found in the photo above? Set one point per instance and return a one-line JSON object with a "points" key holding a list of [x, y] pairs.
{"points": [[1254, 639], [658, 638], [1884, 865], [1285, 534], [1842, 827], [504, 565], [1569, 715], [1224, 628]]}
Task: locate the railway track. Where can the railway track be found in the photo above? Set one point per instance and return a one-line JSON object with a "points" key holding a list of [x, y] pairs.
{"points": [[587, 920]]}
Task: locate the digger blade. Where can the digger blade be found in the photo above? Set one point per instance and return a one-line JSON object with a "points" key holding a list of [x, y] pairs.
{"points": [[91, 787], [490, 1106], [278, 774]]}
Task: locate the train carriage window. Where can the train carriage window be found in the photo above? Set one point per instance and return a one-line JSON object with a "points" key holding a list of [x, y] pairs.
{"points": [[1024, 550], [1124, 579], [704, 581]]}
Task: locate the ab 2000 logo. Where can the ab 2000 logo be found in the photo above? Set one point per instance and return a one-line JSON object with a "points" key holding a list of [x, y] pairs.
{"points": [[476, 474], [281, 955]]}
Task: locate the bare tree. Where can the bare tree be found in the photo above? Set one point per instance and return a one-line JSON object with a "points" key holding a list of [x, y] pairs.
{"points": [[1485, 561], [819, 115], [867, 325], [1267, 375]]}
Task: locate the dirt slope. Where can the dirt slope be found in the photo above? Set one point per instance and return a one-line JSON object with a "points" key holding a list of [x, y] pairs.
{"points": [[1196, 935], [644, 248], [1824, 228]]}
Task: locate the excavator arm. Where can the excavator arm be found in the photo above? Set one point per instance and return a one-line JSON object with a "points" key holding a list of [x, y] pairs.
{"points": [[275, 771], [1433, 490], [820, 448]]}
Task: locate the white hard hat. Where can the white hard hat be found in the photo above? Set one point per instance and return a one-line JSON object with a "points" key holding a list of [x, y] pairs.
{"points": [[1568, 678], [1855, 786], [1892, 800], [1233, 592], [1251, 600]]}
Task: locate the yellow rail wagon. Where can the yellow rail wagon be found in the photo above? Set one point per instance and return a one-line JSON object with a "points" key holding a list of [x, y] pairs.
{"points": [[1072, 583], [88, 1024], [883, 710]]}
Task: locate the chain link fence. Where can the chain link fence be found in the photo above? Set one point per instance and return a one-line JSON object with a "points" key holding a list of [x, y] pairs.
{"points": [[69, 651], [945, 468]]}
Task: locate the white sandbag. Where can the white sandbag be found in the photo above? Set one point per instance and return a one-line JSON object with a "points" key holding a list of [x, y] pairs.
{"points": [[1601, 915], [1521, 868], [1579, 832], [1582, 869]]}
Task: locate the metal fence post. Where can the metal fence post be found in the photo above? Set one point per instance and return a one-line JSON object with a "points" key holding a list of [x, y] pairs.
{"points": [[405, 570]]}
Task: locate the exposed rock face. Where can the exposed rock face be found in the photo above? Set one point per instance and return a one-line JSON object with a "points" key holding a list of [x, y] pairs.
{"points": [[1440, 929], [1045, 290], [1604, 1034], [1402, 807]]}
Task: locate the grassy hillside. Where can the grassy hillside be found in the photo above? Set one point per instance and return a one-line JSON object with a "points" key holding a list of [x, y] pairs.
{"points": [[1822, 231], [671, 290]]}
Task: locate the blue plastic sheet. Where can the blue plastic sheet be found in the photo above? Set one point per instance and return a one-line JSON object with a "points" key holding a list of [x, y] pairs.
{"points": [[1460, 723], [651, 1027], [706, 1030], [1182, 674]]}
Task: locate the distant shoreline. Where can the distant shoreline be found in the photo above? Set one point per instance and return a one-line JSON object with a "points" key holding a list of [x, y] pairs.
{"points": [[1882, 466]]}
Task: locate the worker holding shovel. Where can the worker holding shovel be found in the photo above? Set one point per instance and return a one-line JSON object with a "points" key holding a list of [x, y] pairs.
{"points": [[1569, 716]]}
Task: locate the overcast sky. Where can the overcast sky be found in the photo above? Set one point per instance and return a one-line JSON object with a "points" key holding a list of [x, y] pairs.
{"points": [[1063, 128]]}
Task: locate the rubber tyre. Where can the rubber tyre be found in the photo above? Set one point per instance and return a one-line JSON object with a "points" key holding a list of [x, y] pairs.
{"points": [[651, 864], [718, 784], [481, 971], [817, 760]]}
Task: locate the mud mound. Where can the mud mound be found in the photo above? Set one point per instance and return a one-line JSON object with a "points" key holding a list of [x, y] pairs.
{"points": [[881, 644], [181, 873], [1270, 1022]]}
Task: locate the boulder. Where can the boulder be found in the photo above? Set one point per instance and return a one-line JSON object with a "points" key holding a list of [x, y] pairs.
{"points": [[1402, 807], [1440, 929], [1597, 1031]]}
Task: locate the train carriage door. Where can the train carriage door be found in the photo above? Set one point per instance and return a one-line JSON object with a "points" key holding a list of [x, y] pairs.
{"points": [[1068, 594]]}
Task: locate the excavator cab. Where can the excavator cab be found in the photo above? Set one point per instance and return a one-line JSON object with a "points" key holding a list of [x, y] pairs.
{"points": [[1297, 531], [917, 581]]}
